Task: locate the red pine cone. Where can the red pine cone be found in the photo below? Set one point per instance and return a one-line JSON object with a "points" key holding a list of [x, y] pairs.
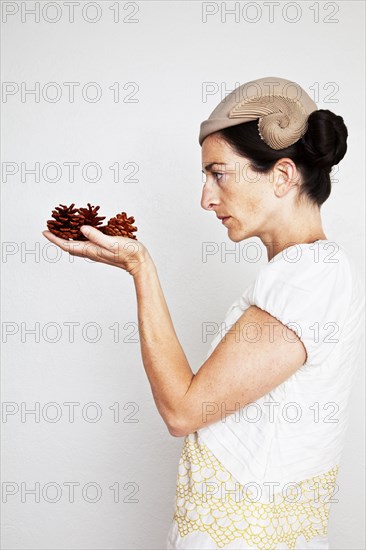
{"points": [[66, 223], [120, 226], [90, 218]]}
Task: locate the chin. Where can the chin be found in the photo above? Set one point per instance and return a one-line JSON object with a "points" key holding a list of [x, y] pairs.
{"points": [[235, 236], [238, 235]]}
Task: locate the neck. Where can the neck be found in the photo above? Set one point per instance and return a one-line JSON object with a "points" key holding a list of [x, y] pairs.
{"points": [[305, 227]]}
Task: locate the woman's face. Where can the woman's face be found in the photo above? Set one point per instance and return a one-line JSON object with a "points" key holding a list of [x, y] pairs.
{"points": [[235, 190]]}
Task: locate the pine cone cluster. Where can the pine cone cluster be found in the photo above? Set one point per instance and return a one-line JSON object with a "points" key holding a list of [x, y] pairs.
{"points": [[68, 220]]}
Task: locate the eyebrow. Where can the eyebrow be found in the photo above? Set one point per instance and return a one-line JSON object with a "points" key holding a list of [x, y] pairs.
{"points": [[209, 166]]}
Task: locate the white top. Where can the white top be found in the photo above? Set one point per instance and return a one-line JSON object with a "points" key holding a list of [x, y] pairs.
{"points": [[265, 476]]}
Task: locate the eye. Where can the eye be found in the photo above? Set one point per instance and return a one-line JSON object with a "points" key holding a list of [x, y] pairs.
{"points": [[217, 175]]}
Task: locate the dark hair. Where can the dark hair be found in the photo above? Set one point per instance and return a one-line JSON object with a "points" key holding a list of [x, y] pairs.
{"points": [[322, 146]]}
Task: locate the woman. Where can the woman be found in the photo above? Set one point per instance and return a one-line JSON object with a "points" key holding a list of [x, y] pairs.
{"points": [[264, 417]]}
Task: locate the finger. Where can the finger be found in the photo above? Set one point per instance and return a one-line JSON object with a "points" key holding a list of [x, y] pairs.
{"points": [[74, 247], [62, 243], [111, 247], [97, 237], [81, 248]]}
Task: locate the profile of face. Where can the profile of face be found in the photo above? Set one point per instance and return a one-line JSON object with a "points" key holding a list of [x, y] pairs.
{"points": [[256, 204]]}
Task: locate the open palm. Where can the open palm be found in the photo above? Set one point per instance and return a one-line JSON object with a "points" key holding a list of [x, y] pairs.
{"points": [[123, 252]]}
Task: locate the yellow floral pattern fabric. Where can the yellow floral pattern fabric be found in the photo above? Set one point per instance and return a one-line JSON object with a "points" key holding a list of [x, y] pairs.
{"points": [[207, 501]]}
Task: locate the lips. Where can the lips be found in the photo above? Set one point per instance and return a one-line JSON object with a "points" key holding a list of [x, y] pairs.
{"points": [[223, 220]]}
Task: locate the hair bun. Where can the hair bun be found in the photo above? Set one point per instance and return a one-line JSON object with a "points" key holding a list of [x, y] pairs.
{"points": [[325, 140]]}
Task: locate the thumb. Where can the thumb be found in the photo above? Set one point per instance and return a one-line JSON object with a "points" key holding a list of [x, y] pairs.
{"points": [[93, 235]]}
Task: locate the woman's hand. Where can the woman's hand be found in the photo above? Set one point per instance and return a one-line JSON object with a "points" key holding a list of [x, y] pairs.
{"points": [[128, 254]]}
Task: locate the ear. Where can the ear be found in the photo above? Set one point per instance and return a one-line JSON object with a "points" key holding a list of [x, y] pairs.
{"points": [[285, 176]]}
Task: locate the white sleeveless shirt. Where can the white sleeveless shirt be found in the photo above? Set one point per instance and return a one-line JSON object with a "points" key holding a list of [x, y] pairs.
{"points": [[265, 476]]}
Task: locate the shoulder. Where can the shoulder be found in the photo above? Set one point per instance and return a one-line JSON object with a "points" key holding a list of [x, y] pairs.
{"points": [[308, 288], [307, 266], [308, 282]]}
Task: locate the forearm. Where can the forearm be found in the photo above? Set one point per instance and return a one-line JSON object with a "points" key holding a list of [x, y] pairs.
{"points": [[163, 357]]}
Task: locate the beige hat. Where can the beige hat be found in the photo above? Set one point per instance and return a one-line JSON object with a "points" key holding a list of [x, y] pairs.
{"points": [[282, 107]]}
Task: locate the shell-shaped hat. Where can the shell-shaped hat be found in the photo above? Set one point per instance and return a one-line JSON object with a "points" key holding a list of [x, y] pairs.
{"points": [[282, 120], [281, 106]]}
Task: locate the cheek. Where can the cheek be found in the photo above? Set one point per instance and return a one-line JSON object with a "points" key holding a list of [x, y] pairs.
{"points": [[255, 199], [253, 205]]}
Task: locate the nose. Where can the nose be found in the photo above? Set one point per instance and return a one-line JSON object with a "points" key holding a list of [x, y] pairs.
{"points": [[208, 200]]}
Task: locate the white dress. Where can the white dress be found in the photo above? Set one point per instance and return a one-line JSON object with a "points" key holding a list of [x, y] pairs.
{"points": [[265, 476]]}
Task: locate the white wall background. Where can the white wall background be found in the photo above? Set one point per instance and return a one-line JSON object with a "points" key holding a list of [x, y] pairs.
{"points": [[169, 52]]}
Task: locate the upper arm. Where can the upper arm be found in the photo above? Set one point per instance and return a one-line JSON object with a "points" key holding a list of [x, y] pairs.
{"points": [[256, 354], [296, 314]]}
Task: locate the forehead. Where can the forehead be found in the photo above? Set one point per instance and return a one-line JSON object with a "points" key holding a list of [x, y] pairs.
{"points": [[212, 145], [216, 150]]}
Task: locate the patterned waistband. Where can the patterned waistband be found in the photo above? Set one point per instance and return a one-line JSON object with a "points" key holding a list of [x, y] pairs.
{"points": [[210, 499]]}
